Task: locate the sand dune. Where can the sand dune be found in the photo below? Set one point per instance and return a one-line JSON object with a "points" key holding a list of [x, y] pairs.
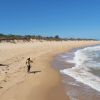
{"points": [[45, 84]]}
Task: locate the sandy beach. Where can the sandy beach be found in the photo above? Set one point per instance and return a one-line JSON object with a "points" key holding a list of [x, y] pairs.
{"points": [[45, 84]]}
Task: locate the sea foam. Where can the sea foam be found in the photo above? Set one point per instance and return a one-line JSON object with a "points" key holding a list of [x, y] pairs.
{"points": [[87, 64]]}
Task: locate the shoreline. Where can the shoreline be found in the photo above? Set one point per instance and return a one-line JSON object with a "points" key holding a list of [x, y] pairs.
{"points": [[45, 85], [75, 89]]}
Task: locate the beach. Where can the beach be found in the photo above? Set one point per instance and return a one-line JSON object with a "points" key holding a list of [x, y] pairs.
{"points": [[46, 83]]}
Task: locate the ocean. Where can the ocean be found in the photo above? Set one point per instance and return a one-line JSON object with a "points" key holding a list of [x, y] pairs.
{"points": [[80, 70], [87, 66]]}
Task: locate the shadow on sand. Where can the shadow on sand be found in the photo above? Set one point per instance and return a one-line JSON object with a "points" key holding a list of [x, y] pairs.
{"points": [[34, 72], [3, 65]]}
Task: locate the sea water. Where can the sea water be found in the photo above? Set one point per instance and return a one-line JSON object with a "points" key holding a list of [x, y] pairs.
{"points": [[86, 67]]}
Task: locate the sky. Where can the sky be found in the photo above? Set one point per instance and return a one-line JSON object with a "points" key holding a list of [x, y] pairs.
{"points": [[66, 18]]}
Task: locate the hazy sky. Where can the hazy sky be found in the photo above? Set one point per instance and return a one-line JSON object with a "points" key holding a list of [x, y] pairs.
{"points": [[67, 18]]}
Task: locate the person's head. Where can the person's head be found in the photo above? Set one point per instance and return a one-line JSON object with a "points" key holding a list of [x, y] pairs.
{"points": [[28, 59]]}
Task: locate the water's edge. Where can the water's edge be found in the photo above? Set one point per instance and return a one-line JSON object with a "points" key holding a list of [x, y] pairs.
{"points": [[76, 90]]}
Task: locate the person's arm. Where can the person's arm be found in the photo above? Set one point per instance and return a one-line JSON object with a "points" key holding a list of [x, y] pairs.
{"points": [[31, 61], [26, 62]]}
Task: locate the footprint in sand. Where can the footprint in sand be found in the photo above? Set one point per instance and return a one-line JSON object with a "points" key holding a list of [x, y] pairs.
{"points": [[1, 87], [4, 80]]}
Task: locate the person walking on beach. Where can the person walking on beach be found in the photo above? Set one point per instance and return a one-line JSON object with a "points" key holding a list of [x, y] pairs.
{"points": [[28, 63]]}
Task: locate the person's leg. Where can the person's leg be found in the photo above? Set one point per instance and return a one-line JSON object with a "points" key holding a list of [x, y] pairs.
{"points": [[28, 70]]}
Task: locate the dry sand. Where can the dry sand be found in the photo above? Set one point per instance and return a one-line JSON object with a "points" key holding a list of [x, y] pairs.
{"points": [[17, 84]]}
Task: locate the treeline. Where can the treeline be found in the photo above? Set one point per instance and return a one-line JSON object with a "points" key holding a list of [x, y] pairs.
{"points": [[38, 37], [27, 37]]}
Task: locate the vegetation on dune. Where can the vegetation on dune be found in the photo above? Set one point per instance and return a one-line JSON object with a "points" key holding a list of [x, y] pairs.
{"points": [[11, 37]]}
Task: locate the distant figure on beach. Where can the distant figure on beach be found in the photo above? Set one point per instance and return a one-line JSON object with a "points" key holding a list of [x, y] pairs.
{"points": [[28, 63]]}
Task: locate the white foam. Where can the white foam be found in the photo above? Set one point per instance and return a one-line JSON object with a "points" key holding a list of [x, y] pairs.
{"points": [[86, 59], [70, 61]]}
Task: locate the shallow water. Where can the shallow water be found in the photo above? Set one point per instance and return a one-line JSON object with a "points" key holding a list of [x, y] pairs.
{"points": [[87, 66], [80, 76]]}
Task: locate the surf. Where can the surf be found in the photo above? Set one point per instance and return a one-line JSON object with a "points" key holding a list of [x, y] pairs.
{"points": [[86, 67]]}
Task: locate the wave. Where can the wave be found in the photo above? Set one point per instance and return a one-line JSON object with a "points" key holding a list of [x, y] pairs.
{"points": [[87, 67]]}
